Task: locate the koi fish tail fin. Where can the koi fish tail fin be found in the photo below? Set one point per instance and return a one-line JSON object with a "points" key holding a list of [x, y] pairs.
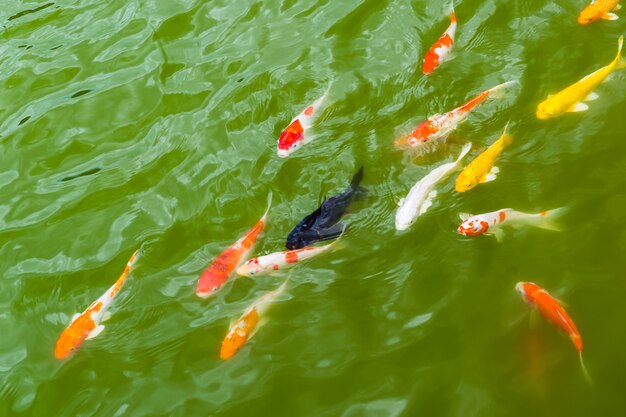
{"points": [[547, 219], [619, 61], [584, 369], [269, 205], [466, 148], [355, 184], [495, 92], [452, 13], [507, 139]]}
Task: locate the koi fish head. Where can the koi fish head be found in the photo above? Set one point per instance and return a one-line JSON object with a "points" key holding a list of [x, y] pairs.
{"points": [[548, 109], [526, 290], [73, 337], [474, 226], [250, 268], [422, 133], [591, 13], [209, 283], [290, 139], [465, 183], [431, 62]]}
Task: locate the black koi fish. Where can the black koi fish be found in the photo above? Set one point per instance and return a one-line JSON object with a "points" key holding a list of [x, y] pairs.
{"points": [[323, 223]]}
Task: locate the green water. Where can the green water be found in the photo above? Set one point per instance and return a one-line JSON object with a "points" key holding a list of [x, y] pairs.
{"points": [[172, 108]]}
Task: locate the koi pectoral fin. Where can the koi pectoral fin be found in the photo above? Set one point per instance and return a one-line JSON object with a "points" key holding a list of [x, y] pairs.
{"points": [[332, 232], [428, 202], [592, 96], [618, 7], [492, 175], [610, 16], [579, 108], [464, 216], [497, 233], [95, 332]]}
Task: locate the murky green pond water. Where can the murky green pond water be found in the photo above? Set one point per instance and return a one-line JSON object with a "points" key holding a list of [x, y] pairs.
{"points": [[153, 123]]}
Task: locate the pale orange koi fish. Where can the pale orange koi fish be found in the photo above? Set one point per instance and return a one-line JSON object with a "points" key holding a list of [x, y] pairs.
{"points": [[440, 51], [247, 325], [216, 274], [440, 126], [87, 325], [549, 307]]}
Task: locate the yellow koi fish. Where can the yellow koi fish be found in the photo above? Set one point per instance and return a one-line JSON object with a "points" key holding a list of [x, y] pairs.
{"points": [[571, 99], [482, 168]]}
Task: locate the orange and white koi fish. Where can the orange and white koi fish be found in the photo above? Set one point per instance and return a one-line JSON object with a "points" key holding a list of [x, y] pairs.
{"points": [[280, 260], [86, 325], [247, 325], [440, 51], [216, 274], [294, 136], [482, 168], [549, 307], [571, 99], [599, 10], [490, 223], [440, 126]]}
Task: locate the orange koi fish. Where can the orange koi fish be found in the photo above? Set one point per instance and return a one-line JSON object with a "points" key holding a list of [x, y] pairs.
{"points": [[549, 307], [87, 325], [440, 126], [294, 135], [216, 274], [247, 325], [599, 10], [440, 51]]}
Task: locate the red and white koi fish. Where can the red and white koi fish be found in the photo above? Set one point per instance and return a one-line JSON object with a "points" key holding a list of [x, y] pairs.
{"points": [[86, 325], [549, 307], [279, 260], [294, 136], [440, 126], [440, 51], [247, 325], [490, 223], [227, 262]]}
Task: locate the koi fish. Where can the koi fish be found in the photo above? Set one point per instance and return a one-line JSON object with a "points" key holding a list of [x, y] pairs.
{"points": [[482, 168], [490, 223], [599, 10], [549, 307], [571, 99], [294, 135], [421, 196], [440, 126], [440, 51], [323, 223], [248, 324], [279, 260], [216, 274], [86, 325]]}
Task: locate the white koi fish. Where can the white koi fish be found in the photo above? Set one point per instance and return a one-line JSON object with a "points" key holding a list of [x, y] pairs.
{"points": [[421, 196]]}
